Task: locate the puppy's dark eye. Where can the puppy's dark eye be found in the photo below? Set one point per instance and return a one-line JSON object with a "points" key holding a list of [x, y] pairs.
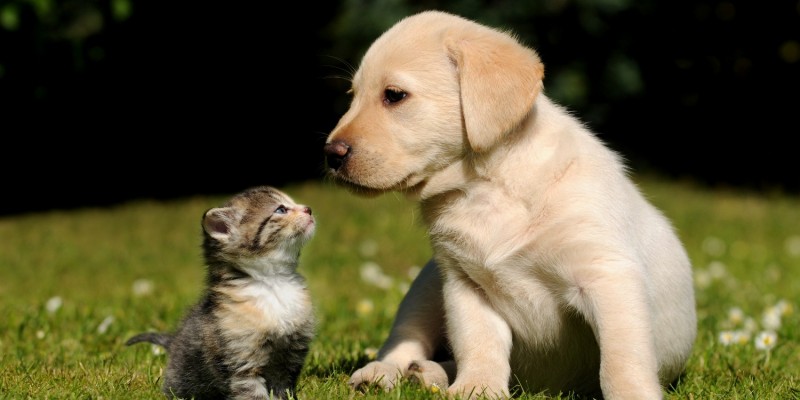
{"points": [[393, 95], [281, 209]]}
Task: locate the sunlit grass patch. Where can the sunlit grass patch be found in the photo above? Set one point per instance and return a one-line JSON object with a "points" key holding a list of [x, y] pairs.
{"points": [[75, 285]]}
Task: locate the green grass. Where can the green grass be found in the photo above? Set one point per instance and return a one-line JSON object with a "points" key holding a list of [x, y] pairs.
{"points": [[743, 246]]}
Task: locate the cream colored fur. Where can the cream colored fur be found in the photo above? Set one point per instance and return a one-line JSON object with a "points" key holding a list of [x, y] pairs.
{"points": [[550, 269]]}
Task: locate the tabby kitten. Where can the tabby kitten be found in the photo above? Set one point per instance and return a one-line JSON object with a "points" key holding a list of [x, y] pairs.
{"points": [[249, 334]]}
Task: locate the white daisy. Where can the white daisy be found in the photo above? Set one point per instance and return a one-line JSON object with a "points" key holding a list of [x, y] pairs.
{"points": [[784, 307], [103, 327], [371, 353], [53, 304], [372, 273], [735, 316], [766, 340], [771, 319], [702, 278], [727, 338], [717, 269], [142, 287], [364, 307], [749, 325], [741, 336]]}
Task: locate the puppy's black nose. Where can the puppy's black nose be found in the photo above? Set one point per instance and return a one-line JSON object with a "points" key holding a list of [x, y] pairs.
{"points": [[335, 153]]}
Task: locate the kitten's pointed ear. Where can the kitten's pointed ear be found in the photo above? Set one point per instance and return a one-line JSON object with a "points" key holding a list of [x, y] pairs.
{"points": [[218, 222]]}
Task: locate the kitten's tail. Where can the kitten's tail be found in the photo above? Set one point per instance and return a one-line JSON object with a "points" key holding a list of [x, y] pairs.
{"points": [[161, 339]]}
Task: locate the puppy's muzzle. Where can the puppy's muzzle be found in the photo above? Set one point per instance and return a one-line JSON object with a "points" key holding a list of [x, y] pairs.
{"points": [[336, 154]]}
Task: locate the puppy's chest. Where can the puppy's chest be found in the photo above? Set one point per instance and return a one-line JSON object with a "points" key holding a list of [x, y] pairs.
{"points": [[483, 229], [494, 242]]}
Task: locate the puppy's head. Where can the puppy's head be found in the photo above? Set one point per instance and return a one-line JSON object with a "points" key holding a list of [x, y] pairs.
{"points": [[431, 90]]}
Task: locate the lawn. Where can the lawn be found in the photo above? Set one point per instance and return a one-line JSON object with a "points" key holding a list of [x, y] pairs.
{"points": [[74, 285]]}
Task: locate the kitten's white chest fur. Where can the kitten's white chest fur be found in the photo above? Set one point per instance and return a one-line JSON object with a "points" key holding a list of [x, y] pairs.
{"points": [[280, 295]]}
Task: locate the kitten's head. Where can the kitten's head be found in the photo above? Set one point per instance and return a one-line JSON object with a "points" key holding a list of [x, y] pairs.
{"points": [[261, 223]]}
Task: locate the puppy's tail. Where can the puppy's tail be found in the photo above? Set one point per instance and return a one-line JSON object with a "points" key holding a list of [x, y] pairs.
{"points": [[161, 339]]}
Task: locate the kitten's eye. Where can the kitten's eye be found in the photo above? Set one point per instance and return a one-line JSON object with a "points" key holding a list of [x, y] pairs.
{"points": [[393, 95], [281, 209]]}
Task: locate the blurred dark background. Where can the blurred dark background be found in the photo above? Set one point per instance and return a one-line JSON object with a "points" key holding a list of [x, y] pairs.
{"points": [[107, 101]]}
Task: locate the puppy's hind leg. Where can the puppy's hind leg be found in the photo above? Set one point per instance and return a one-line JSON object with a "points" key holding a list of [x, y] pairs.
{"points": [[416, 334]]}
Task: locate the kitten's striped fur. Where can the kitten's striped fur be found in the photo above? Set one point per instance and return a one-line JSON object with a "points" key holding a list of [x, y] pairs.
{"points": [[249, 334]]}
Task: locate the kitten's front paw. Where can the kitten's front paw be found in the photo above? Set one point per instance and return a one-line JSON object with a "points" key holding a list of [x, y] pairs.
{"points": [[430, 373], [376, 373]]}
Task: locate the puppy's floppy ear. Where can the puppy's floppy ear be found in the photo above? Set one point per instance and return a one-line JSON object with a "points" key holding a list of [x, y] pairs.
{"points": [[499, 78]]}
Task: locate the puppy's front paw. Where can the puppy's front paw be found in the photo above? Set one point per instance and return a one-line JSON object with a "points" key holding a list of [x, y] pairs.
{"points": [[474, 390], [376, 373], [430, 373]]}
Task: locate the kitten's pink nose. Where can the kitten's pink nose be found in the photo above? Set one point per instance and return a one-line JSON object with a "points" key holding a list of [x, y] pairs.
{"points": [[307, 210]]}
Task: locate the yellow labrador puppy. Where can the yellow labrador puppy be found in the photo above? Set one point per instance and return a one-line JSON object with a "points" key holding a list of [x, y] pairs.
{"points": [[550, 270]]}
